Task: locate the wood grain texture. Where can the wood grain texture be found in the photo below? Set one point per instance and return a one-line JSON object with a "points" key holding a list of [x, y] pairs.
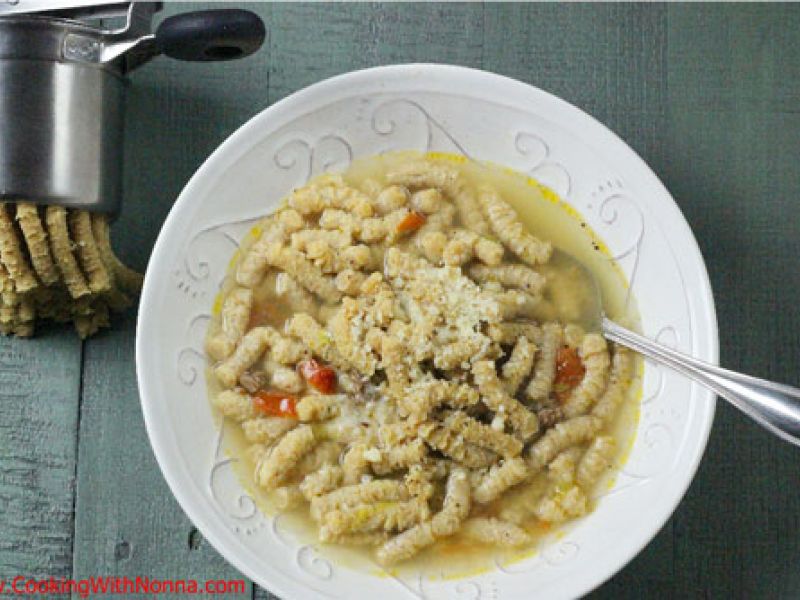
{"points": [[177, 114], [678, 83], [314, 41], [39, 391], [127, 522], [728, 152], [609, 60], [733, 139], [709, 95]]}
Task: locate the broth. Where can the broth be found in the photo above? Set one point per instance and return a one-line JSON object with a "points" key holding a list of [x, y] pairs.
{"points": [[543, 215]]}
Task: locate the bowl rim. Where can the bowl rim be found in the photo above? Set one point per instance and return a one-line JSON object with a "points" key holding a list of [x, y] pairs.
{"points": [[228, 152]]}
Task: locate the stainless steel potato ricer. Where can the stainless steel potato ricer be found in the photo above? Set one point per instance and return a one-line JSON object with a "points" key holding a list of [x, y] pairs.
{"points": [[62, 76]]}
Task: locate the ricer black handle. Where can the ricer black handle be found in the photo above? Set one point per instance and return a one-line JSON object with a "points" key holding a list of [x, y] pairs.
{"points": [[208, 35]]}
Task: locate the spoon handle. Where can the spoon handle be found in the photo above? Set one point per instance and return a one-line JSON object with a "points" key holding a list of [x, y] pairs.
{"points": [[773, 405]]}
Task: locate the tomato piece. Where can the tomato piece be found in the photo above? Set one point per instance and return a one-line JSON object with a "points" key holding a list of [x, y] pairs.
{"points": [[411, 222], [569, 371], [321, 377], [275, 404]]}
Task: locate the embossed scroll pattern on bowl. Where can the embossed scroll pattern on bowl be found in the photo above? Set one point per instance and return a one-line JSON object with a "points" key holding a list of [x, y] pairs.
{"points": [[325, 132], [332, 152]]}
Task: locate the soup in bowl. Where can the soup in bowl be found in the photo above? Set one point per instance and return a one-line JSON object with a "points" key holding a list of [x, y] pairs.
{"points": [[300, 288]]}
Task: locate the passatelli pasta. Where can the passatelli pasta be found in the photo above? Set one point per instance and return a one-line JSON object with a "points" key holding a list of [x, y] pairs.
{"points": [[381, 347], [57, 263]]}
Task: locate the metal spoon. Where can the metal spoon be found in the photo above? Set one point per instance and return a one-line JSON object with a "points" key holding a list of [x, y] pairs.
{"points": [[775, 406]]}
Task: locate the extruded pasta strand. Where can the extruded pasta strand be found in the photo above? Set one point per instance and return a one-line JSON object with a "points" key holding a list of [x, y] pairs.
{"points": [[11, 254], [61, 246], [519, 365], [431, 410], [80, 224], [507, 227], [594, 356], [36, 239], [495, 532], [274, 467], [545, 367], [597, 460]]}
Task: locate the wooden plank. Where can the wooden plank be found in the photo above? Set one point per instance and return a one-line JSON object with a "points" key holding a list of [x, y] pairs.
{"points": [[707, 94], [177, 114], [311, 42], [127, 521], [733, 139], [609, 60], [39, 394]]}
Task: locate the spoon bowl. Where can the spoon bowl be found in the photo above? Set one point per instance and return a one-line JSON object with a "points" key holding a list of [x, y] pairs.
{"points": [[774, 406], [571, 293]]}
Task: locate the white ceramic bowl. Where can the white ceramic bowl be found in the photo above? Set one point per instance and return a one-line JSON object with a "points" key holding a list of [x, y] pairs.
{"points": [[425, 107]]}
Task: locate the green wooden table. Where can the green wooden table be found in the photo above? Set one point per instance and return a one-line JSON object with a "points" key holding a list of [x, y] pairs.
{"points": [[709, 95]]}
